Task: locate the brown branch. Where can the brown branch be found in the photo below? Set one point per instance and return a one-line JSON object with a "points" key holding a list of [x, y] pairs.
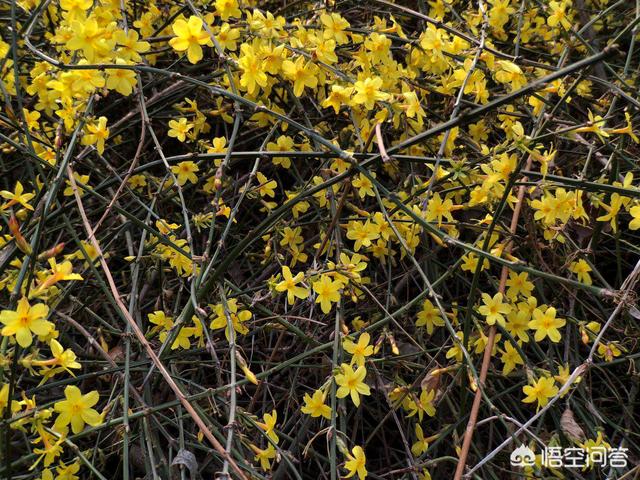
{"points": [[486, 359], [143, 341], [625, 291], [126, 178], [383, 151]]}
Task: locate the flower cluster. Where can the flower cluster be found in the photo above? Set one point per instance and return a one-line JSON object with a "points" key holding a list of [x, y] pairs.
{"points": [[231, 228]]}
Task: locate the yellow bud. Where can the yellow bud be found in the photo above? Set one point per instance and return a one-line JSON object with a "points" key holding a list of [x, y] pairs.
{"points": [[250, 375], [584, 337], [472, 383], [52, 252], [21, 242]]}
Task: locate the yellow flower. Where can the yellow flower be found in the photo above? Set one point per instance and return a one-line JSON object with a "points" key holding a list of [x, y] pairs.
{"points": [[412, 106], [564, 373], [499, 14], [301, 74], [249, 374], [181, 340], [360, 350], [67, 472], [266, 187], [546, 324], [422, 405], [80, 179], [351, 382], [16, 197], [291, 237], [284, 143], [267, 25], [189, 37], [612, 211], [160, 320], [121, 80], [179, 128], [510, 357], [424, 475], [272, 57], [24, 321], [59, 272], [540, 391], [129, 45], [470, 263], [628, 130], [421, 445], [237, 318], [362, 233], [97, 134], [328, 292], [252, 66], [635, 213], [227, 8], [581, 268], [348, 269], [325, 51], [518, 284], [510, 73], [76, 7], [438, 209], [315, 406], [227, 37], [479, 131], [335, 27], [51, 448], [368, 92], [4, 399], [595, 449], [558, 15], [378, 47], [65, 359], [86, 81], [76, 410], [185, 172], [429, 317], [364, 185], [62, 360], [608, 351], [88, 37], [356, 463], [433, 41], [594, 125], [338, 97], [518, 324], [263, 456], [493, 308], [137, 181], [269, 425], [289, 284]]}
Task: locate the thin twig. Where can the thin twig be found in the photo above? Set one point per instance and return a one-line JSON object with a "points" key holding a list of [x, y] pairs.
{"points": [[141, 338]]}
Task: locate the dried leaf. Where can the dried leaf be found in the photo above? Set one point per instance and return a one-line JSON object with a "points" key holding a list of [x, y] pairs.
{"points": [[188, 459], [431, 381], [570, 427]]}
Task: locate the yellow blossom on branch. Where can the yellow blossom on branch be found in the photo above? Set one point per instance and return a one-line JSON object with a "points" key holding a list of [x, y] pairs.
{"points": [[25, 321], [351, 382], [190, 37], [76, 409]]}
